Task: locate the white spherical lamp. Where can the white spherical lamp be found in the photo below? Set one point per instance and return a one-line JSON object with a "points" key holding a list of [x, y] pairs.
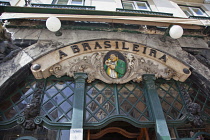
{"points": [[176, 31], [53, 24]]}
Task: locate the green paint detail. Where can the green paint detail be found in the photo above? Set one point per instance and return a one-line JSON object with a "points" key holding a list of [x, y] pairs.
{"points": [[144, 12], [161, 127], [62, 6], [53, 82], [26, 138], [68, 11], [79, 100], [165, 138]]}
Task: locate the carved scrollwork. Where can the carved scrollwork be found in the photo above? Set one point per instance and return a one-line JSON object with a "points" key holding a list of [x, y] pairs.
{"points": [[32, 110], [38, 120], [193, 109], [93, 65], [20, 120]]}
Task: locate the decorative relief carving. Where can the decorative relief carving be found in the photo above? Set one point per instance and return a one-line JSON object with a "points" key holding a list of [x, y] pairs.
{"points": [[7, 49], [93, 65], [193, 109], [32, 110]]}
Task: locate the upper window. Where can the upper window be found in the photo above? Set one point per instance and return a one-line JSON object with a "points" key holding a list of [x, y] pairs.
{"points": [[70, 2], [136, 5], [193, 11]]}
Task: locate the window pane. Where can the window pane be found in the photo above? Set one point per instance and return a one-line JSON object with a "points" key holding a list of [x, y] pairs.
{"points": [[187, 11], [62, 2], [76, 2], [142, 6], [128, 5], [198, 12]]}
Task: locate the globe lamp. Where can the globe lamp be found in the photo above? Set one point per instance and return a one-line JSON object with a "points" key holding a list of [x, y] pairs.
{"points": [[176, 31]]}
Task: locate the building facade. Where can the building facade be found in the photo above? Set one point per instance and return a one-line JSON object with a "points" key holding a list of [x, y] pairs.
{"points": [[104, 69]]}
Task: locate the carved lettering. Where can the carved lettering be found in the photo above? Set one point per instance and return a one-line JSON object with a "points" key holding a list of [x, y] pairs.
{"points": [[75, 48], [163, 58], [107, 44], [117, 47], [62, 54], [144, 51], [153, 52], [123, 43], [86, 46], [135, 47], [97, 45]]}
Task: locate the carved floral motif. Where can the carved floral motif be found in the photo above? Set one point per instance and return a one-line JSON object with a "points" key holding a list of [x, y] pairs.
{"points": [[93, 65], [32, 110], [193, 109]]}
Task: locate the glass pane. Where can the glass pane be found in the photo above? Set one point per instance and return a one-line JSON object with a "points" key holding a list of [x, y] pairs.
{"points": [[198, 12], [62, 2], [76, 2], [58, 100], [128, 5], [170, 99], [142, 6], [132, 101], [40, 133], [99, 101], [186, 10]]}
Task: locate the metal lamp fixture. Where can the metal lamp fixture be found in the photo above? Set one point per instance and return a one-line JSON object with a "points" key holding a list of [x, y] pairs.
{"points": [[54, 24]]}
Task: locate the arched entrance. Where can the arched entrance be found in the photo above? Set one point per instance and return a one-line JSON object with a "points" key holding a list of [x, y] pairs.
{"points": [[74, 93]]}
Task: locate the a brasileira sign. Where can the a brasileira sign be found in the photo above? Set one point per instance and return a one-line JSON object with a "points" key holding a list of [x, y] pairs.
{"points": [[114, 45], [101, 59]]}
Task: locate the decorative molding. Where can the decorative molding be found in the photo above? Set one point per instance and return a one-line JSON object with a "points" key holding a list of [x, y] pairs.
{"points": [[63, 6], [89, 57], [144, 12], [32, 110], [92, 64], [193, 109]]}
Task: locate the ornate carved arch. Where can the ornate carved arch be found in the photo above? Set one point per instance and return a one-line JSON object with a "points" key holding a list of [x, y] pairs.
{"points": [[89, 57]]}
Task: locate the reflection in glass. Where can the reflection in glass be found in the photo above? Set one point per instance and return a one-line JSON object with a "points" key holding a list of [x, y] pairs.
{"points": [[99, 101], [171, 101], [132, 102], [58, 100], [16, 102]]}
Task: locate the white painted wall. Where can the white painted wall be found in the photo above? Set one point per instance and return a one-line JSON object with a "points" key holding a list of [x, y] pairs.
{"points": [[42, 1], [168, 6], [152, 5], [13, 2], [206, 7], [105, 5]]}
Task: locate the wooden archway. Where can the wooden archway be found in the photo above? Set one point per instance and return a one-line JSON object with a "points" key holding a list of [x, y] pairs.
{"points": [[139, 136]]}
